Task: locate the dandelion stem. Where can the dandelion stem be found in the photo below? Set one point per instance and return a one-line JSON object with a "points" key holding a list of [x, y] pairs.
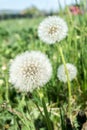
{"points": [[46, 113], [7, 95], [39, 109], [46, 117], [68, 81]]}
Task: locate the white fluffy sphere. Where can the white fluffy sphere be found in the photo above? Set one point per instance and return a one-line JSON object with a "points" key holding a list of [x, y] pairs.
{"points": [[52, 29], [30, 70], [72, 72]]}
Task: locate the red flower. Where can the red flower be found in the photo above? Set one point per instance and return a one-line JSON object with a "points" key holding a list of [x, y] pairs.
{"points": [[75, 10]]}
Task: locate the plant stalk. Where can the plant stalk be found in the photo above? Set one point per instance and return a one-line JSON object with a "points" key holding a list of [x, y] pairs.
{"points": [[68, 81]]}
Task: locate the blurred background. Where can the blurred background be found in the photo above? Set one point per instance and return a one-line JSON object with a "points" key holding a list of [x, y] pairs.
{"points": [[32, 8]]}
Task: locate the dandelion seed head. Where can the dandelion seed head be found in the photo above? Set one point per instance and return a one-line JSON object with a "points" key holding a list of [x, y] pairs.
{"points": [[52, 29], [72, 72], [30, 70]]}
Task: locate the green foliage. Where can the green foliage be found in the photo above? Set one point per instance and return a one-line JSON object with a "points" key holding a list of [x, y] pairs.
{"points": [[33, 11]]}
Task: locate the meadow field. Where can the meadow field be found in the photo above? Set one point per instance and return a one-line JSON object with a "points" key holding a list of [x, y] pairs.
{"points": [[27, 110]]}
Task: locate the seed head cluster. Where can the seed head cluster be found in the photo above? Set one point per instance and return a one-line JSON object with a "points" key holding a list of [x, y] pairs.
{"points": [[30, 70], [72, 72], [52, 29]]}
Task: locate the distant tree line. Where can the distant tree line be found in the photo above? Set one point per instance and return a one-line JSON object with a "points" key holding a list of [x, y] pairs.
{"points": [[14, 16], [27, 13]]}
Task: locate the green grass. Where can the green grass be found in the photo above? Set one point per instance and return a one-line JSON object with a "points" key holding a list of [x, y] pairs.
{"points": [[16, 36], [18, 24]]}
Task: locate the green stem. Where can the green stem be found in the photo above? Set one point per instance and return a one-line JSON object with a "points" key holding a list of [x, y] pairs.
{"points": [[7, 94], [46, 114], [39, 110], [24, 118], [46, 117], [68, 81], [24, 121]]}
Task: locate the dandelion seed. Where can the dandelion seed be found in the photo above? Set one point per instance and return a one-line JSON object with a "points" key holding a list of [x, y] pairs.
{"points": [[30, 70], [72, 72], [52, 29]]}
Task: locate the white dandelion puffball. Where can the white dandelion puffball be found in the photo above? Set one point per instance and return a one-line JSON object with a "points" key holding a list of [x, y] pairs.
{"points": [[72, 72], [30, 70], [52, 29]]}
